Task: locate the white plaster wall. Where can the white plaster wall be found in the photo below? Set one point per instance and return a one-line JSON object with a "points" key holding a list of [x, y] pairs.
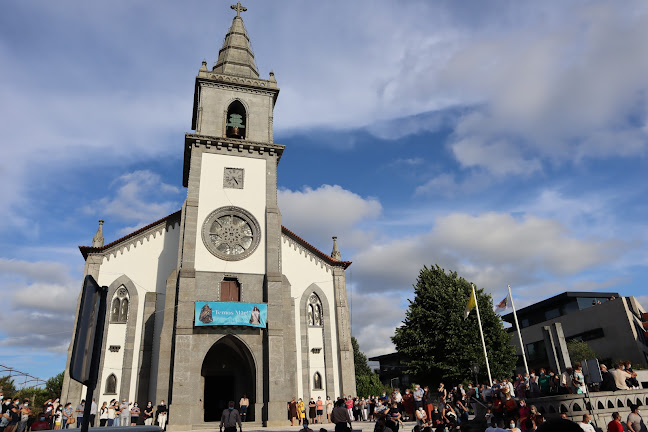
{"points": [[252, 198], [316, 361], [215, 101], [113, 361], [147, 264], [302, 271]]}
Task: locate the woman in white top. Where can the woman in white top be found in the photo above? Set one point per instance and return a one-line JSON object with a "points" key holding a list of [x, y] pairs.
{"points": [[58, 417], [103, 414], [512, 426], [111, 413]]}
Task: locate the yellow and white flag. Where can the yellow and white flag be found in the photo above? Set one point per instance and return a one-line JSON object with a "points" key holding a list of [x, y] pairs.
{"points": [[471, 303]]}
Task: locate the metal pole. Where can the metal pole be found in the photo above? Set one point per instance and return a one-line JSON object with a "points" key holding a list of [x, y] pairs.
{"points": [[481, 333], [526, 366]]}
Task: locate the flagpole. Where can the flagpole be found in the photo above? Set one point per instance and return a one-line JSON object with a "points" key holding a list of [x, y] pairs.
{"points": [[481, 333], [526, 366]]}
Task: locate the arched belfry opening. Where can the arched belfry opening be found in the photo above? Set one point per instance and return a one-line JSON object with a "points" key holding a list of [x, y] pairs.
{"points": [[236, 120], [229, 372]]}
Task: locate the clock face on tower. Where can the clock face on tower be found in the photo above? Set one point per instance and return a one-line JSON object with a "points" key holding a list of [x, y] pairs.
{"points": [[231, 233], [233, 178]]}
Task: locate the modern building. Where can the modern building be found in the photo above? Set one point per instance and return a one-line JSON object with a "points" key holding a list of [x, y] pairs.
{"points": [[391, 369], [613, 326], [219, 299]]}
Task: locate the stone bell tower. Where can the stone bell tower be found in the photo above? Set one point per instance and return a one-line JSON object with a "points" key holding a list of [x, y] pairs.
{"points": [[230, 250]]}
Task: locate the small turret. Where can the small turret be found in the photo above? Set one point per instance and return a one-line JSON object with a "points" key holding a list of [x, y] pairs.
{"points": [[98, 239], [335, 254]]}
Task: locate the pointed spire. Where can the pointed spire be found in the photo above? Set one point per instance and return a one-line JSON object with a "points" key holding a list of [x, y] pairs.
{"points": [[236, 57], [335, 254], [98, 240]]}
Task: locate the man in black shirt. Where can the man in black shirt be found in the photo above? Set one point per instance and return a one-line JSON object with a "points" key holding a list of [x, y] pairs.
{"points": [[608, 380]]}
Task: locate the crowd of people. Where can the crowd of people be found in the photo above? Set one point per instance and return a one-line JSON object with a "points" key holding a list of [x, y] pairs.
{"points": [[505, 402], [19, 416]]}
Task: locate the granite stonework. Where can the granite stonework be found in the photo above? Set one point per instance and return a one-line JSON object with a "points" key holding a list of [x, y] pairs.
{"points": [[166, 268]]}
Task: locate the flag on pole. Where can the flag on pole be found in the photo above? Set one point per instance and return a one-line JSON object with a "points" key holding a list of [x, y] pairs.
{"points": [[503, 305], [471, 303]]}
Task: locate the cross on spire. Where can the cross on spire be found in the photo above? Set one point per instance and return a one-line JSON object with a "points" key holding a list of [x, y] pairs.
{"points": [[238, 7]]}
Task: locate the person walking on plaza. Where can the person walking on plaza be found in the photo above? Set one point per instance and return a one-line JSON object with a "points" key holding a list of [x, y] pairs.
{"points": [[340, 417], [615, 425], [244, 403], [162, 411], [230, 418], [148, 414], [635, 422]]}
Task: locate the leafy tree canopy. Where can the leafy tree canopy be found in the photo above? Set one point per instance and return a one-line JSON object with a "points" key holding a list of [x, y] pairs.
{"points": [[580, 351], [439, 344], [359, 359], [367, 382]]}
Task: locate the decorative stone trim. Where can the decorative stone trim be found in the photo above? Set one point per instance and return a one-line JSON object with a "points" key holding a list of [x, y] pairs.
{"points": [[307, 253], [232, 145], [240, 88], [140, 238], [238, 80]]}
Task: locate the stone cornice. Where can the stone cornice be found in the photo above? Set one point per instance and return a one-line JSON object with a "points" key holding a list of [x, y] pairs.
{"points": [[206, 77], [134, 238], [310, 251], [227, 145]]}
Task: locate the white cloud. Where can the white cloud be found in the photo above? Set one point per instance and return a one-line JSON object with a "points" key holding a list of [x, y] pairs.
{"points": [[374, 318], [39, 304], [492, 249], [318, 214], [133, 200]]}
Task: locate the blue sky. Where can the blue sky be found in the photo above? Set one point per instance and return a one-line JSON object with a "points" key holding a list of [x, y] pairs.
{"points": [[506, 140]]}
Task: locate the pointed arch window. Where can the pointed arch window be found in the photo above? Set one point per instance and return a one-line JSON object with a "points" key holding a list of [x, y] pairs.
{"points": [[111, 384], [317, 381], [314, 311], [235, 122], [120, 305]]}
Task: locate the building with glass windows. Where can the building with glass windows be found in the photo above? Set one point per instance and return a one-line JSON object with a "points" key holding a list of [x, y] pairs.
{"points": [[612, 325]]}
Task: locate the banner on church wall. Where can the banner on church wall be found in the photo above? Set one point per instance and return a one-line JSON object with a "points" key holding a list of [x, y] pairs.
{"points": [[231, 313]]}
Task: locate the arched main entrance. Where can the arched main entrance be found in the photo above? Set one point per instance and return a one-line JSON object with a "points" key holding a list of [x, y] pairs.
{"points": [[229, 372]]}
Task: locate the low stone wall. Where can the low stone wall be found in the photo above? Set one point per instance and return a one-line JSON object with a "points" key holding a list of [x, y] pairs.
{"points": [[600, 405]]}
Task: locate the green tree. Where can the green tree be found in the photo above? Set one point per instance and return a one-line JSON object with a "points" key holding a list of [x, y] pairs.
{"points": [[7, 386], [367, 385], [54, 386], [438, 343], [367, 382], [359, 359], [579, 351]]}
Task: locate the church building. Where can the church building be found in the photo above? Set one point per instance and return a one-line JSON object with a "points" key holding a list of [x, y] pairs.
{"points": [[219, 299]]}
